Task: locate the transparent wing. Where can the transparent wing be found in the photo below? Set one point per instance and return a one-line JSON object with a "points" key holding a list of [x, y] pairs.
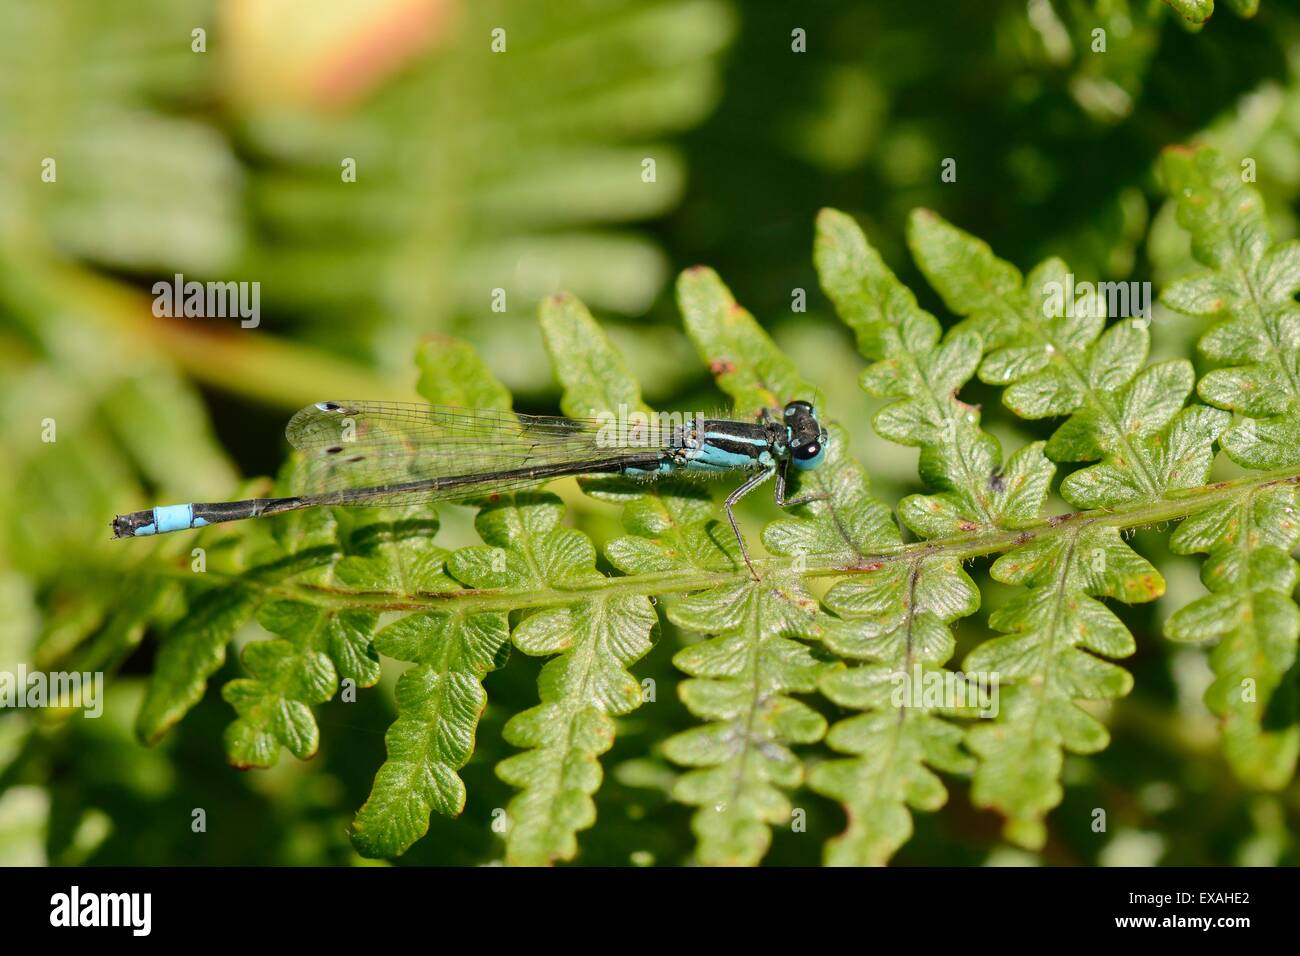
{"points": [[380, 445]]}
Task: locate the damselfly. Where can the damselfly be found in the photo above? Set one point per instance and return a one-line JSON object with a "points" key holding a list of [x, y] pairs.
{"points": [[365, 454]]}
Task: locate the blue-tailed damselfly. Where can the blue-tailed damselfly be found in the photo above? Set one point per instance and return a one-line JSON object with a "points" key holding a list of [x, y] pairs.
{"points": [[366, 454]]}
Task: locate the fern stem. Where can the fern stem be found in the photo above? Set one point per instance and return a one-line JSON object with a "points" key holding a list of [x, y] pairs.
{"points": [[1172, 508]]}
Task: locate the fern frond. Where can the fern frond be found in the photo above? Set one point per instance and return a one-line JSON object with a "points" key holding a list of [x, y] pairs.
{"points": [[1199, 11], [977, 491], [289, 676], [439, 702], [1055, 359], [546, 158], [1248, 293], [897, 618], [672, 524], [1251, 614], [583, 687], [742, 675], [1194, 11], [1248, 296], [324, 584]]}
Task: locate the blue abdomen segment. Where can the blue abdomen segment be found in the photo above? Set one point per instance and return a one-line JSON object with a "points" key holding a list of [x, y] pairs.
{"points": [[171, 518], [166, 518]]}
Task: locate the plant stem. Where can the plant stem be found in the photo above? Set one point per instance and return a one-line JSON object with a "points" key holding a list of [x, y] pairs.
{"points": [[964, 547]]}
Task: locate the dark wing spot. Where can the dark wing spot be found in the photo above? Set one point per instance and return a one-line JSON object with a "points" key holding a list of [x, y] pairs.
{"points": [[334, 451], [355, 458]]}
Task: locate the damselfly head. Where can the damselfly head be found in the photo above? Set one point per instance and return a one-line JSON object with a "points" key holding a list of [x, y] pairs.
{"points": [[807, 436]]}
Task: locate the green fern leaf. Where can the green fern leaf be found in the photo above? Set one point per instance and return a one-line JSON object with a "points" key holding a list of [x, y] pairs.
{"points": [[583, 687], [290, 676], [1248, 295], [1252, 615], [324, 641], [547, 164], [439, 702], [743, 674], [1055, 359], [440, 699], [1056, 635], [924, 374], [741, 679], [1198, 11], [319, 581], [1194, 11], [896, 619], [671, 524], [189, 655]]}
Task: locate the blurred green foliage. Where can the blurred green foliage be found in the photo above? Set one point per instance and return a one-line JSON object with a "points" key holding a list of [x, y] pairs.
{"points": [[523, 171]]}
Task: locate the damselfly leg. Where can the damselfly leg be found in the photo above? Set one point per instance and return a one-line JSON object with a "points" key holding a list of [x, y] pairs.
{"points": [[783, 502], [750, 484]]}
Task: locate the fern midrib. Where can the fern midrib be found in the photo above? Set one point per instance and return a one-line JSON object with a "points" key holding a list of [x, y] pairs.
{"points": [[910, 646], [876, 782], [747, 738], [1260, 317], [945, 412], [1243, 592], [872, 775], [450, 653], [573, 705], [826, 486], [1100, 401], [1048, 654], [1169, 508]]}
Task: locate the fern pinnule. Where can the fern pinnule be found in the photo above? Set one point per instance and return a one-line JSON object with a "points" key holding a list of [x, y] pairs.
{"points": [[1247, 298]]}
